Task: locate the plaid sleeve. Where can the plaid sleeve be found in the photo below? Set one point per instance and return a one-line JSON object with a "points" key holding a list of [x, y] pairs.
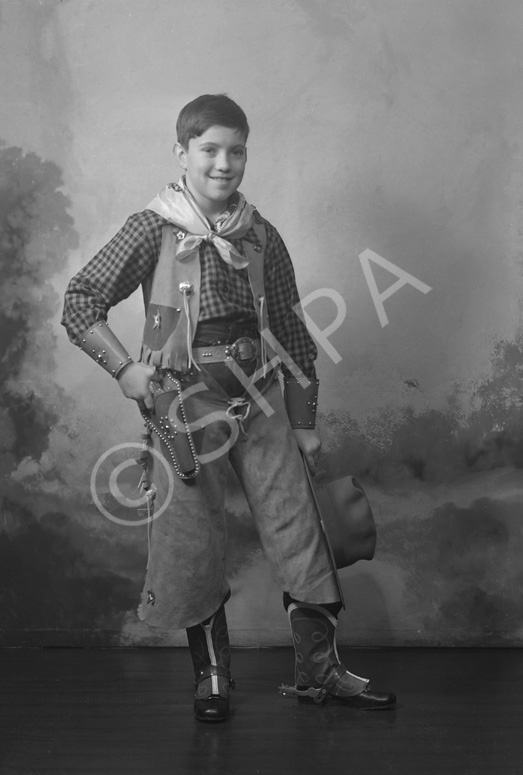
{"points": [[113, 274], [282, 296]]}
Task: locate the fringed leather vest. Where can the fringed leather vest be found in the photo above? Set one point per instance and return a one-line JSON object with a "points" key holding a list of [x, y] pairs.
{"points": [[172, 299]]}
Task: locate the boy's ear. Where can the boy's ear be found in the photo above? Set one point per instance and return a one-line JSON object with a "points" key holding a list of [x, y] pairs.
{"points": [[180, 153]]}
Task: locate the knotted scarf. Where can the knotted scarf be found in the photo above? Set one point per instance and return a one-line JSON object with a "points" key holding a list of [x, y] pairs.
{"points": [[176, 204]]}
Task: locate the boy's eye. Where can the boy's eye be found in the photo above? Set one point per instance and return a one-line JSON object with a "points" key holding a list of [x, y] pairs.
{"points": [[235, 152]]}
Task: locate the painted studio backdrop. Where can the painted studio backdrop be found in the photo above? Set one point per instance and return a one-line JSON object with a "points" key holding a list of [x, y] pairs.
{"points": [[386, 147]]}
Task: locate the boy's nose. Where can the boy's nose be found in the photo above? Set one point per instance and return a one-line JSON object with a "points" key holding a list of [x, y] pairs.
{"points": [[222, 161]]}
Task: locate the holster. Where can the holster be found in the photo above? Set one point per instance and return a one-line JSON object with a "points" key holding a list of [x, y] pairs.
{"points": [[172, 428]]}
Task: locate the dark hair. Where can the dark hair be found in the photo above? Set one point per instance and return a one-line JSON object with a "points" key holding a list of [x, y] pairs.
{"points": [[207, 111]]}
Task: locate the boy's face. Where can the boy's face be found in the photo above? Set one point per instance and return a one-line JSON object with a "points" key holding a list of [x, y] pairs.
{"points": [[214, 164]]}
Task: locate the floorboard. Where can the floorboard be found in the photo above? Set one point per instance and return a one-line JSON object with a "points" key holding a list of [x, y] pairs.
{"points": [[129, 711]]}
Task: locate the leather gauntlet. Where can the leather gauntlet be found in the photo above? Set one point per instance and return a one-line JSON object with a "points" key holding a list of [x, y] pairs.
{"points": [[102, 346], [301, 402]]}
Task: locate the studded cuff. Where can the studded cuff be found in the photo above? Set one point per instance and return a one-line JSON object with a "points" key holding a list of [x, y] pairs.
{"points": [[301, 402], [102, 346]]}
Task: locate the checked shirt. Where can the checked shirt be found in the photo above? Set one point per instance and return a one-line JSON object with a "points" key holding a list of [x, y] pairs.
{"points": [[119, 268]]}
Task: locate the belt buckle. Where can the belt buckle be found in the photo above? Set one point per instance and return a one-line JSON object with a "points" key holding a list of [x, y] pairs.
{"points": [[243, 350]]}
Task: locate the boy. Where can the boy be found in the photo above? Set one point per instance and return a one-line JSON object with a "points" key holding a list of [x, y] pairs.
{"points": [[215, 274]]}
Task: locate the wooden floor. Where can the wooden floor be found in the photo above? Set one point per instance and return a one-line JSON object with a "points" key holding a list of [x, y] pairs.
{"points": [[129, 712]]}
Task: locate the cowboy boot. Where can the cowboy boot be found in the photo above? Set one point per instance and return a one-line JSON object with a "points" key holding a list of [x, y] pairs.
{"points": [[211, 657], [319, 673]]}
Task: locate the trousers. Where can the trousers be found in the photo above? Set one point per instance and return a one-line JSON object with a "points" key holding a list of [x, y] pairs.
{"points": [[185, 581]]}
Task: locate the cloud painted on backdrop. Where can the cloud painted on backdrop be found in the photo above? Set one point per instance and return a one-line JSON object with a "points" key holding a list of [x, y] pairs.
{"points": [[46, 444], [49, 586], [465, 565], [54, 573], [36, 233], [481, 429]]}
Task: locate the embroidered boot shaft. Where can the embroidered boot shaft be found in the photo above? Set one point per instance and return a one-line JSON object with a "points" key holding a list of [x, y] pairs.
{"points": [[211, 657], [319, 673]]}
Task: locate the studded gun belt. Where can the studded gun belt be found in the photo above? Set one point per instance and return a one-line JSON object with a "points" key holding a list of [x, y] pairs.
{"points": [[244, 351]]}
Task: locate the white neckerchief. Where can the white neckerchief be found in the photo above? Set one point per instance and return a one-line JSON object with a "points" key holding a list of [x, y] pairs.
{"points": [[176, 204]]}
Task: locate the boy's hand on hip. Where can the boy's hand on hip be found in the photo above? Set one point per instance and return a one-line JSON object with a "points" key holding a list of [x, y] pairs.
{"points": [[135, 382], [309, 443]]}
